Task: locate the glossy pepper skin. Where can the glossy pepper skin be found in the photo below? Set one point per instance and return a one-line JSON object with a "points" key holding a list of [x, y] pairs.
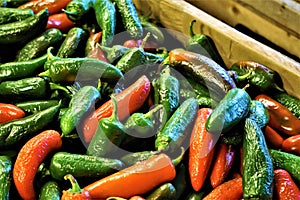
{"points": [[109, 134], [30, 157], [284, 186], [60, 21], [290, 102], [8, 14], [77, 9], [52, 5], [75, 193], [9, 112], [93, 49], [280, 117], [292, 144], [259, 113]]}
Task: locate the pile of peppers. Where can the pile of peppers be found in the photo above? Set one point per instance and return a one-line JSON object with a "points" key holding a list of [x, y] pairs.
{"points": [[86, 115]]}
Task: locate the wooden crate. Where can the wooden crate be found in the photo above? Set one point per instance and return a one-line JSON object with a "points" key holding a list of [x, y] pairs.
{"points": [[276, 20], [231, 44]]}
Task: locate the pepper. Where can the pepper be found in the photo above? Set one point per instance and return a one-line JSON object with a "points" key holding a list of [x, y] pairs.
{"points": [[52, 5], [280, 117], [93, 49], [35, 106], [259, 113], [166, 191], [16, 70], [272, 137], [201, 151], [67, 70], [290, 102], [21, 32], [109, 134], [77, 9], [106, 17], [8, 15], [284, 186], [6, 166], [203, 70], [180, 181], [114, 53], [229, 112], [39, 45], [177, 127], [224, 159], [202, 44], [261, 77], [151, 27], [130, 100], [16, 131], [60, 21], [152, 172], [135, 157], [50, 190], [292, 144], [166, 91], [30, 157], [79, 105], [74, 40], [75, 193], [9, 112]]}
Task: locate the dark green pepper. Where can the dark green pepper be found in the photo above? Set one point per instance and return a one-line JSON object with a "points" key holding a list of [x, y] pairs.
{"points": [[164, 192], [39, 45], [106, 17], [6, 167], [134, 157], [180, 181], [74, 41], [77, 9], [25, 30], [257, 178], [166, 91], [290, 102], [35, 106], [68, 70], [114, 53], [200, 43], [79, 105], [230, 111], [130, 18], [259, 113], [8, 15], [195, 195], [15, 70], [175, 130], [16, 131], [50, 190], [109, 134], [80, 166]]}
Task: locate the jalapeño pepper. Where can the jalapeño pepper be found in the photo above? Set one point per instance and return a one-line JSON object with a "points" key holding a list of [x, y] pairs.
{"points": [[164, 192], [259, 113]]}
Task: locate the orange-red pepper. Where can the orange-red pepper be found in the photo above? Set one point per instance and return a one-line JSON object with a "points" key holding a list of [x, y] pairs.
{"points": [[201, 151], [9, 112], [29, 158], [292, 144], [129, 100], [284, 186], [75, 193], [53, 6], [281, 118], [137, 179], [272, 137], [60, 21]]}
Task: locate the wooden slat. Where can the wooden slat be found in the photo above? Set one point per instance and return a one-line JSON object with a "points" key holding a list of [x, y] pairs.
{"points": [[233, 45], [270, 19]]}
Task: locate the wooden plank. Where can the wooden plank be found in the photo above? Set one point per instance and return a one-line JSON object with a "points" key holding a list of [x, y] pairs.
{"points": [[232, 45], [233, 12]]}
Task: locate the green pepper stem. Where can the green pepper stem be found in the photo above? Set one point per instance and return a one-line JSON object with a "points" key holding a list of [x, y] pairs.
{"points": [[149, 114], [245, 76], [49, 54], [177, 160], [107, 50], [75, 186], [114, 115], [246, 86], [144, 40], [45, 73], [278, 88], [70, 13], [54, 86], [191, 31]]}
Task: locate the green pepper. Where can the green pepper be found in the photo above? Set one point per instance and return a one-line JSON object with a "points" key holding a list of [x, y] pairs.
{"points": [[166, 91], [164, 192], [134, 157], [109, 134], [77, 9], [8, 15], [50, 190], [195, 195], [79, 105], [200, 43], [82, 166], [106, 17], [6, 167], [175, 130], [180, 181], [17, 131], [35, 106], [39, 45], [15, 70], [289, 101], [74, 41], [114, 53], [25, 30], [67, 70], [259, 113], [230, 111]]}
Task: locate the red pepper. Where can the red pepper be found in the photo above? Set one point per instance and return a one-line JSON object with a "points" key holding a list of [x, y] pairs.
{"points": [[241, 160], [60, 21], [93, 49], [272, 137], [201, 151], [29, 158], [53, 6], [223, 162], [9, 112], [292, 144], [281, 118], [75, 193], [130, 100], [137, 179], [231, 189], [284, 186]]}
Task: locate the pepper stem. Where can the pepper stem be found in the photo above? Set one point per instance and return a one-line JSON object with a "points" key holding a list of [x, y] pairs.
{"points": [[245, 76], [69, 13], [45, 73], [54, 86], [49, 54], [246, 86], [75, 186], [278, 88], [144, 40], [177, 160], [149, 114], [192, 34], [115, 108]]}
